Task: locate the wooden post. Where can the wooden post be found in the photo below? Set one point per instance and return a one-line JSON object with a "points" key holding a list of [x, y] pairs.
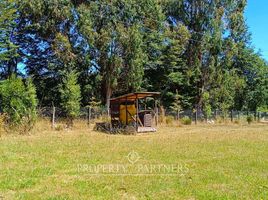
{"points": [[196, 116], [137, 112], [126, 112], [232, 119], [88, 116], [145, 104], [53, 117], [259, 119], [156, 112]]}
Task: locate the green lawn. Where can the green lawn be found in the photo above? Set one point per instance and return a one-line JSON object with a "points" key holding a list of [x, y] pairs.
{"points": [[223, 162]]}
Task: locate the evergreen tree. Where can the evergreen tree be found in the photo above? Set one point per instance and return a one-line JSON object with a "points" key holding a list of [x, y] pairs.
{"points": [[206, 105], [70, 96], [7, 47], [19, 103], [176, 105]]}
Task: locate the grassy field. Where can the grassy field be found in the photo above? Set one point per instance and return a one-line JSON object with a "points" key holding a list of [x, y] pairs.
{"points": [[222, 161]]}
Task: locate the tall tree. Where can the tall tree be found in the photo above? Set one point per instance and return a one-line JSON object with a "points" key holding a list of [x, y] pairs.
{"points": [[7, 47], [117, 32]]}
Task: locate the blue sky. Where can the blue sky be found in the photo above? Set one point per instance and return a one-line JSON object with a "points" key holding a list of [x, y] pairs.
{"points": [[257, 20]]}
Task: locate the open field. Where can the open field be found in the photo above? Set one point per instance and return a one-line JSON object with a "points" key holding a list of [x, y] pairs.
{"points": [[222, 161]]}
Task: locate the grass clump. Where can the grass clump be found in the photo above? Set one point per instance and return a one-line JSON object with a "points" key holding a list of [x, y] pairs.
{"points": [[237, 121], [2, 124], [186, 120], [169, 120]]}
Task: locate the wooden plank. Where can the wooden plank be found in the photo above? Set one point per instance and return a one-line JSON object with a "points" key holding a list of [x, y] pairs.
{"points": [[148, 120], [146, 129]]}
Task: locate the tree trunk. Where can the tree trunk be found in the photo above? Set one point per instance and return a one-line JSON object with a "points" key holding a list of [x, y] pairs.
{"points": [[108, 96]]}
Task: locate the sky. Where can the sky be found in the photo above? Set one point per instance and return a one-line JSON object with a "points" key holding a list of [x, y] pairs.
{"points": [[257, 20]]}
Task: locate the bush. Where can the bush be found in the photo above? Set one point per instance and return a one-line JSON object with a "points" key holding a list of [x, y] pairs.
{"points": [[59, 128], [169, 120], [186, 120], [19, 103], [249, 119]]}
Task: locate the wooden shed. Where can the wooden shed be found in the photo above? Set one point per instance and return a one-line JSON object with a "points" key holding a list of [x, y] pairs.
{"points": [[126, 111]]}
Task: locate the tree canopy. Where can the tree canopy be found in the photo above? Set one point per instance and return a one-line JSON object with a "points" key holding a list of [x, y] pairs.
{"points": [[199, 51]]}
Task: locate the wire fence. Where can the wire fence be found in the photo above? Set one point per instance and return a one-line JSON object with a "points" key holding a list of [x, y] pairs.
{"points": [[91, 114], [233, 115]]}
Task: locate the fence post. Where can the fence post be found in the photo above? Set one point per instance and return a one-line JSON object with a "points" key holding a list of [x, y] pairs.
{"points": [[232, 116], [259, 118], [156, 113], [195, 119], [53, 117], [88, 116]]}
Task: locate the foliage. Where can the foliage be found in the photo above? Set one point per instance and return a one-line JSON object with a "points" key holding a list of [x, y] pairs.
{"points": [[94, 103], [198, 48], [2, 123], [176, 105], [70, 96], [7, 46], [249, 119], [206, 105], [186, 120], [19, 103], [169, 119]]}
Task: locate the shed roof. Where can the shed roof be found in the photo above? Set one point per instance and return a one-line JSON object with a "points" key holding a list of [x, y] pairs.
{"points": [[134, 96]]}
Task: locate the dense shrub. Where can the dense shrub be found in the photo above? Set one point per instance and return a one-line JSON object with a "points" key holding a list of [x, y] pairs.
{"points": [[249, 119], [186, 120], [19, 103]]}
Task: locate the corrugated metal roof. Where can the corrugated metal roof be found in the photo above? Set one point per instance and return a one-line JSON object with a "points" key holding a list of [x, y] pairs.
{"points": [[135, 95]]}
